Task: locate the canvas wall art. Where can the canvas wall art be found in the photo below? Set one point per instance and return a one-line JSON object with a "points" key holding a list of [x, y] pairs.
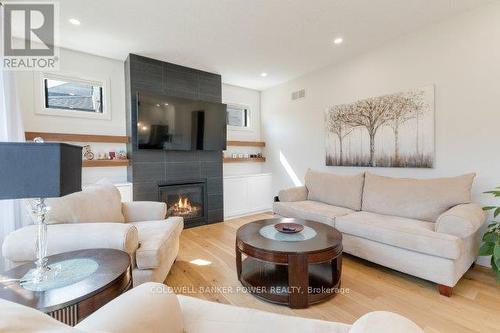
{"points": [[395, 130]]}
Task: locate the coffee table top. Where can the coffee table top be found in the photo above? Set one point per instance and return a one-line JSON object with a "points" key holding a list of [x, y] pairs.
{"points": [[112, 265], [325, 237]]}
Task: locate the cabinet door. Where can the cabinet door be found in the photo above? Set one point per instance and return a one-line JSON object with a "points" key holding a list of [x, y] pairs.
{"points": [[260, 193], [235, 196]]}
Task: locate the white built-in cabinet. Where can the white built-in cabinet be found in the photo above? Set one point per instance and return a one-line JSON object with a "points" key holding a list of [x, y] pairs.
{"points": [[247, 194]]}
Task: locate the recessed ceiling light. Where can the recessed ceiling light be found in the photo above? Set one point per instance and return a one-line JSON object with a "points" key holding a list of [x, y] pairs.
{"points": [[74, 21], [263, 74], [157, 105], [166, 104], [338, 40]]}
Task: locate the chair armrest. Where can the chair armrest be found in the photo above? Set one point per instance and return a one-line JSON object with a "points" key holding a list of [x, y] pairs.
{"points": [[384, 321], [150, 307], [461, 221], [138, 211], [298, 193], [20, 244]]}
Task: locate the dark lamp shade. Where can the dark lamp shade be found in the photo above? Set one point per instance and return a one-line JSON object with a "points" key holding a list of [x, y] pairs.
{"points": [[39, 170]]}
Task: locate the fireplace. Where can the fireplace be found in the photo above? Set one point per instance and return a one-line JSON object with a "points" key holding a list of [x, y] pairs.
{"points": [[187, 199]]}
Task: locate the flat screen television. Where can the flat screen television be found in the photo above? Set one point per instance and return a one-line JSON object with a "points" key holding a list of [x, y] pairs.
{"points": [[173, 123]]}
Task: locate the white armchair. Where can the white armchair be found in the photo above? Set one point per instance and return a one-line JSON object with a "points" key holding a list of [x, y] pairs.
{"points": [[152, 308], [96, 218]]}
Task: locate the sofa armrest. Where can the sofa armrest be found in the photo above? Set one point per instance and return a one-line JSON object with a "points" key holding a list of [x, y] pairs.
{"points": [[150, 307], [461, 221], [138, 211], [298, 193], [20, 244]]}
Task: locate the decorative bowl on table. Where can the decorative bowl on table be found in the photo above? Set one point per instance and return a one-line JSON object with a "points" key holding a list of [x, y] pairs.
{"points": [[289, 228]]}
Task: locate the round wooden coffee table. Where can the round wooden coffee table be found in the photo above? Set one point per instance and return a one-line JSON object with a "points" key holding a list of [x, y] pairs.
{"points": [[295, 270], [72, 303]]}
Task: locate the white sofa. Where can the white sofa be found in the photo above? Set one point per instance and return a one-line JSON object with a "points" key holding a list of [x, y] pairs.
{"points": [[96, 218], [153, 308], [424, 227]]}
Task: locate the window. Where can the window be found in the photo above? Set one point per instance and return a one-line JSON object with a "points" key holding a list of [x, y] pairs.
{"points": [[238, 116], [73, 96]]}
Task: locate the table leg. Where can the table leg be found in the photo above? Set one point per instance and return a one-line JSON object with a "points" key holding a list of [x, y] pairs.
{"points": [[337, 271], [238, 261], [298, 281]]}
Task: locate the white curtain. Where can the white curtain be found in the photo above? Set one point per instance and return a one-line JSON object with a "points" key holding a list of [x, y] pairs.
{"points": [[12, 212]]}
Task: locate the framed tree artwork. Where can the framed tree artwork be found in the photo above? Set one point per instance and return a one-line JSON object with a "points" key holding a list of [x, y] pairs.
{"points": [[395, 130]]}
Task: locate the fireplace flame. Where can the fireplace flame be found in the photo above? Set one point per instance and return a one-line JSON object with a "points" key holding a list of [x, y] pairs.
{"points": [[184, 207], [184, 203]]}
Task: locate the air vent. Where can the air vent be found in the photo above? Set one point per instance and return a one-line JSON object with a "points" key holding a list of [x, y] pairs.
{"points": [[298, 94]]}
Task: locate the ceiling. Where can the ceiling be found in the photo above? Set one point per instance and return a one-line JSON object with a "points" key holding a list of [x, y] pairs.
{"points": [[240, 39]]}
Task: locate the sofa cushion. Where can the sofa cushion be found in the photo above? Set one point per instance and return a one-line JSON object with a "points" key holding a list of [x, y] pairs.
{"points": [[310, 210], [156, 239], [208, 317], [421, 199], [96, 203], [405, 233], [384, 321], [337, 190], [22, 319]]}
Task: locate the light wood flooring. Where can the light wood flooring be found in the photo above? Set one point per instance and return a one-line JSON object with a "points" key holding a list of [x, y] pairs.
{"points": [[474, 306]]}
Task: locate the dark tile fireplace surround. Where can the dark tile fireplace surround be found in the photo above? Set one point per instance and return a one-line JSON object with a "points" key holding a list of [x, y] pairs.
{"points": [[171, 176]]}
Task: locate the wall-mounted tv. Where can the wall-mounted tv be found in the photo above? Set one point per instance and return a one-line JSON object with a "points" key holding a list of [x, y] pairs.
{"points": [[173, 123]]}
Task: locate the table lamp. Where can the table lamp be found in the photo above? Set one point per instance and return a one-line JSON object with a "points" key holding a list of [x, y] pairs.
{"points": [[38, 170]]}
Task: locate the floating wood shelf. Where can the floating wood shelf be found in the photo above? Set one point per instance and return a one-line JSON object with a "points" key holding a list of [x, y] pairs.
{"points": [[246, 143], [243, 159], [62, 137], [104, 163]]}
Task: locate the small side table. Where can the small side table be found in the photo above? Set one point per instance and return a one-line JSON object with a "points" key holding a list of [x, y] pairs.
{"points": [[74, 302]]}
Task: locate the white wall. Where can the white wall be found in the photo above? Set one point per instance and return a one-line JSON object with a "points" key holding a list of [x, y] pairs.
{"points": [[459, 56], [91, 66], [243, 96]]}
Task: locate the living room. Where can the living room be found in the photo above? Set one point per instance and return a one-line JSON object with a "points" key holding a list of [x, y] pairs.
{"points": [[203, 166]]}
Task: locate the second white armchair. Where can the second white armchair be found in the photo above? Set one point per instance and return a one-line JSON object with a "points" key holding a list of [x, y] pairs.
{"points": [[96, 218]]}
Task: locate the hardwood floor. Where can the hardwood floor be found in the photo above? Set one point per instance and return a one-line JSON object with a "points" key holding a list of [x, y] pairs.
{"points": [[206, 268]]}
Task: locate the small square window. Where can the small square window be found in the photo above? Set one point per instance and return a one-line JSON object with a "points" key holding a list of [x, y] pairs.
{"points": [[238, 116]]}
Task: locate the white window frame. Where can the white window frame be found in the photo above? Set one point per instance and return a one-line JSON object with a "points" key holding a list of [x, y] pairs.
{"points": [[41, 109], [250, 120]]}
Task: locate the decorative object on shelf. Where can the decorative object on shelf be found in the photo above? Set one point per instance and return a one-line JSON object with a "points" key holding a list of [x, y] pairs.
{"points": [[234, 155], [288, 228], [87, 153], [103, 156], [112, 155], [40, 170], [246, 155], [395, 130], [121, 155], [240, 155], [491, 238], [259, 155]]}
